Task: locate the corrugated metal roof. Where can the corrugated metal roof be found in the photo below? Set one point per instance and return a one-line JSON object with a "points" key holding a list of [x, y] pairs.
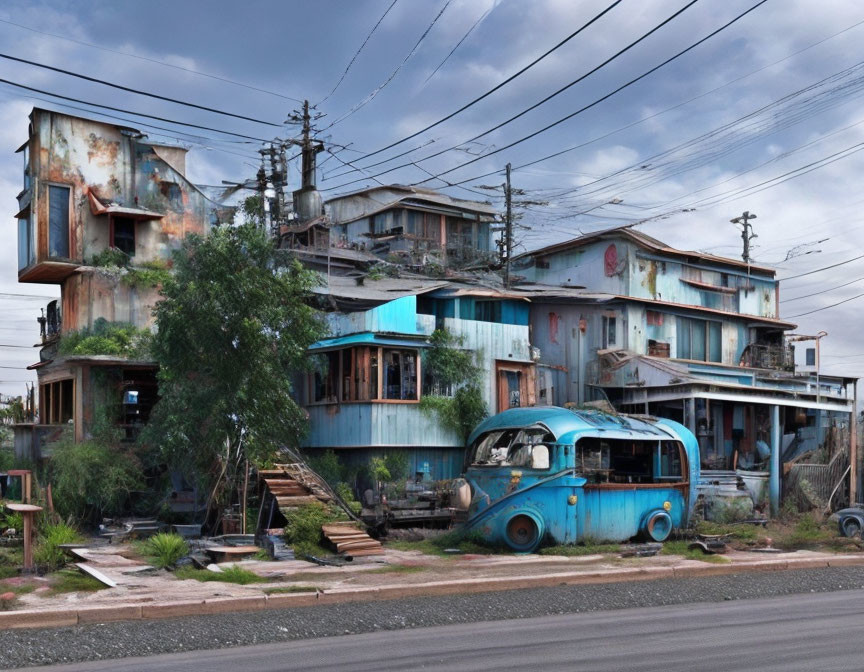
{"points": [[367, 338], [645, 241]]}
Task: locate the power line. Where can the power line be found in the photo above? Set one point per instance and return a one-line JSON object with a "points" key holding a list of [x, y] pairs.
{"points": [[8, 345], [459, 43], [151, 60], [495, 88], [661, 112], [378, 89], [192, 139], [810, 312], [136, 91], [120, 109], [603, 98], [357, 53], [824, 268]]}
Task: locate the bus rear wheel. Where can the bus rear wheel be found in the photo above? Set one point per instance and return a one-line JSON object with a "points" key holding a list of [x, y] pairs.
{"points": [[523, 532]]}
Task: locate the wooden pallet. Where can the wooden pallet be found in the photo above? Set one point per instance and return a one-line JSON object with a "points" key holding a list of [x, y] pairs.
{"points": [[349, 540]]}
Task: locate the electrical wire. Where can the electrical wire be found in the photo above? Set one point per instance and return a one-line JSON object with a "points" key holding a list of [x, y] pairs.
{"points": [[498, 86], [357, 53], [603, 98], [139, 92], [823, 291], [824, 268], [833, 305], [661, 112], [381, 86], [120, 109], [152, 60], [459, 43]]}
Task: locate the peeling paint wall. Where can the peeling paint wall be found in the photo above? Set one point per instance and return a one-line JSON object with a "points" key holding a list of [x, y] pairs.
{"points": [[118, 167], [90, 296]]}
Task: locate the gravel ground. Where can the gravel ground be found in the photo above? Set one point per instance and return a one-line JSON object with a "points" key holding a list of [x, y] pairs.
{"points": [[24, 648]]}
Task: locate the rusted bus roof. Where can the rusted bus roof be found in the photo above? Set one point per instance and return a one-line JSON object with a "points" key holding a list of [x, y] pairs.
{"points": [[645, 241]]}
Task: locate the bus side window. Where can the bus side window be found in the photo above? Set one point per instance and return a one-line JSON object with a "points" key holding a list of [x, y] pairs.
{"points": [[670, 461]]}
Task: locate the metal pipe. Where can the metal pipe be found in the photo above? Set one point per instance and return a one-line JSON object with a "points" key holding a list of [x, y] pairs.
{"points": [[774, 478]]}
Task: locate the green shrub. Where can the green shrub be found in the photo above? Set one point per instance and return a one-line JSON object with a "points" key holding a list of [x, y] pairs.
{"points": [[11, 519], [107, 338], [110, 257], [303, 526], [397, 463], [93, 478], [164, 549], [147, 274], [327, 466], [48, 552]]}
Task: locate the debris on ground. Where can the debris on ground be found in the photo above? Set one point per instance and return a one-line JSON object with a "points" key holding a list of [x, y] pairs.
{"points": [[351, 541]]}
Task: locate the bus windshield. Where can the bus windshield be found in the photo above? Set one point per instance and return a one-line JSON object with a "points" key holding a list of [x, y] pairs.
{"points": [[522, 447]]}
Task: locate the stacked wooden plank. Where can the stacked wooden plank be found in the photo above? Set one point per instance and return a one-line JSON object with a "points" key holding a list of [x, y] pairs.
{"points": [[352, 541], [288, 491]]}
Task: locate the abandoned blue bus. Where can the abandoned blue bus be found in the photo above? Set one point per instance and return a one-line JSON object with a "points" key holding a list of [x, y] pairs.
{"points": [[560, 475]]}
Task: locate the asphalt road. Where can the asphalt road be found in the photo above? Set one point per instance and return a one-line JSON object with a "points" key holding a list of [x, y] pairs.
{"points": [[709, 623], [800, 632]]}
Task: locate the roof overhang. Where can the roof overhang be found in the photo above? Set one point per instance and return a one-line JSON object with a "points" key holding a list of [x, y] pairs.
{"points": [[99, 208], [368, 338]]}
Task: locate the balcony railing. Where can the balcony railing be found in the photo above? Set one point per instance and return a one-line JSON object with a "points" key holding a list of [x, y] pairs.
{"points": [[774, 357]]}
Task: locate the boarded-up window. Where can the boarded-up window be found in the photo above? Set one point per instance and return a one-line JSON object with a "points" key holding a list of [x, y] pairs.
{"points": [[58, 221], [57, 402], [699, 339]]}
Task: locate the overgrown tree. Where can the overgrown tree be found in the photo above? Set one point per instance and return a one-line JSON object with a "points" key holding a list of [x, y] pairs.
{"points": [[451, 366], [233, 328]]}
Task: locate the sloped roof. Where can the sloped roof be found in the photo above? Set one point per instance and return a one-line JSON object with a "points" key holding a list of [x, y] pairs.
{"points": [[645, 241], [406, 196]]}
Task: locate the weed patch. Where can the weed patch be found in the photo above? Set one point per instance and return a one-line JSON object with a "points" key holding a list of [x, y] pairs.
{"points": [[466, 543], [71, 581], [303, 527], [232, 574]]}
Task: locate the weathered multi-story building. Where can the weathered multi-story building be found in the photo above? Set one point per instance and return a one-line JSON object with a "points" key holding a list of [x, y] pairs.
{"points": [[696, 338], [100, 204], [363, 396]]}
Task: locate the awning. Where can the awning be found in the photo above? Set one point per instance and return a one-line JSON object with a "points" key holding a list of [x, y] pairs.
{"points": [[368, 338], [99, 208]]}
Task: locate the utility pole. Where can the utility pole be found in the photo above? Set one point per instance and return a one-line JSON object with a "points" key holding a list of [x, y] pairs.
{"points": [[508, 228], [747, 234]]}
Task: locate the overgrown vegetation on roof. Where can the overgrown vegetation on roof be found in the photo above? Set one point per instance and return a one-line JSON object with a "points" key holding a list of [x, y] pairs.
{"points": [[153, 273], [118, 339]]}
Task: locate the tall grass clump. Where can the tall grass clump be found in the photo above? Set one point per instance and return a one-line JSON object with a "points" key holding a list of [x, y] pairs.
{"points": [[48, 552], [164, 549]]}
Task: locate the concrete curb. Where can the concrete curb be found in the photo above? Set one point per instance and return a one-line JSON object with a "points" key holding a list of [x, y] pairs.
{"points": [[223, 605]]}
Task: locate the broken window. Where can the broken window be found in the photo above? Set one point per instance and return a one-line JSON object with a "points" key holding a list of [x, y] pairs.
{"points": [[57, 402], [58, 221], [629, 461], [123, 235], [529, 448]]}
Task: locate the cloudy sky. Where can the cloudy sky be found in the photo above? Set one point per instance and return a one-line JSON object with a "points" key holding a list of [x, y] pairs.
{"points": [[761, 117]]}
